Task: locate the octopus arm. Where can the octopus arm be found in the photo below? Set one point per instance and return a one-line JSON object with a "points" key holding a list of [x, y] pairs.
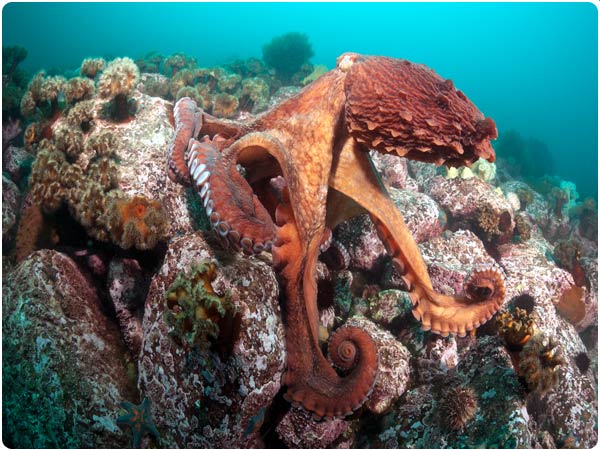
{"points": [[188, 120], [443, 314]]}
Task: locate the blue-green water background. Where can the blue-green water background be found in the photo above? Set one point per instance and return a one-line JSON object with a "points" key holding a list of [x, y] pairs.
{"points": [[532, 67]]}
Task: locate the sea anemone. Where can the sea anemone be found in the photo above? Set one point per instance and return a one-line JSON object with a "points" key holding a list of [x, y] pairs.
{"points": [[194, 310], [44, 95], [540, 361], [495, 225], [90, 67], [457, 407], [101, 144], [104, 171], [229, 83], [565, 253], [82, 115], [68, 140], [136, 222], [78, 89], [46, 189], [225, 105], [525, 197], [191, 92], [178, 61], [254, 96], [118, 81]]}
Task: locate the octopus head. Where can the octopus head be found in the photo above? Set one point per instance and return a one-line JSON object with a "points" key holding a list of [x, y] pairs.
{"points": [[393, 105]]}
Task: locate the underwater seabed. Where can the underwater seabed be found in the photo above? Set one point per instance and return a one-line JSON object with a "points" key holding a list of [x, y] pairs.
{"points": [[126, 321]]}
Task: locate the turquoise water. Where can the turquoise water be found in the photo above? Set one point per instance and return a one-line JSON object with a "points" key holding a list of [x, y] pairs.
{"points": [[532, 67]]}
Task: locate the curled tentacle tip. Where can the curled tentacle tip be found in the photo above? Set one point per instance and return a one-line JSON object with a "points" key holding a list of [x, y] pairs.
{"points": [[485, 283]]}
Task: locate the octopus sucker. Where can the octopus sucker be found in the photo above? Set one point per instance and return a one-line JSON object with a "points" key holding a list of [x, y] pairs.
{"points": [[318, 141]]}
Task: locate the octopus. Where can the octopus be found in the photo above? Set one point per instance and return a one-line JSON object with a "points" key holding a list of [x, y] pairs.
{"points": [[280, 182]]}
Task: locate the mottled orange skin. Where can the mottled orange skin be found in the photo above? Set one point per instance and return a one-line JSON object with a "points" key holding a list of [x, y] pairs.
{"points": [[318, 142]]}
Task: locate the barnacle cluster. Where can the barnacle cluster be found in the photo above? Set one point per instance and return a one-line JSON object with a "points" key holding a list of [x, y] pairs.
{"points": [[516, 327], [540, 361], [457, 407], [194, 310]]}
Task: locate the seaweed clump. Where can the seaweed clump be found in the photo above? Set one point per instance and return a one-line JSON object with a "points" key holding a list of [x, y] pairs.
{"points": [[287, 54], [194, 309], [14, 81]]}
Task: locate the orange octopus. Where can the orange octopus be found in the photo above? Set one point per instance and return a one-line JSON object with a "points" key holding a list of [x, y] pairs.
{"points": [[318, 141]]}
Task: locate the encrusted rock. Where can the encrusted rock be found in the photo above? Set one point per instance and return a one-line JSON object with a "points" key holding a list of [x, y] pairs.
{"points": [[14, 161], [477, 202], [298, 429], [140, 145], [590, 267], [444, 351], [388, 305], [125, 287], [65, 368], [215, 396], [452, 257], [543, 280], [501, 420], [11, 199], [567, 410]]}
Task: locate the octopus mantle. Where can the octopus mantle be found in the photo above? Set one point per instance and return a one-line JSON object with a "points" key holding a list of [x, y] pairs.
{"points": [[306, 170]]}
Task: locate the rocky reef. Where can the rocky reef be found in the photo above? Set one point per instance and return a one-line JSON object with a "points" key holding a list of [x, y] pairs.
{"points": [[118, 300]]}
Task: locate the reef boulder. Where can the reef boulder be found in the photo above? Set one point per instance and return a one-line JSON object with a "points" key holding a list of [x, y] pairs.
{"points": [[64, 367], [213, 395]]}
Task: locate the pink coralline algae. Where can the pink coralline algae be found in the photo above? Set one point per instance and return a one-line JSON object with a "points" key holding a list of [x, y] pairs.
{"points": [[477, 203], [452, 257], [298, 429]]}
